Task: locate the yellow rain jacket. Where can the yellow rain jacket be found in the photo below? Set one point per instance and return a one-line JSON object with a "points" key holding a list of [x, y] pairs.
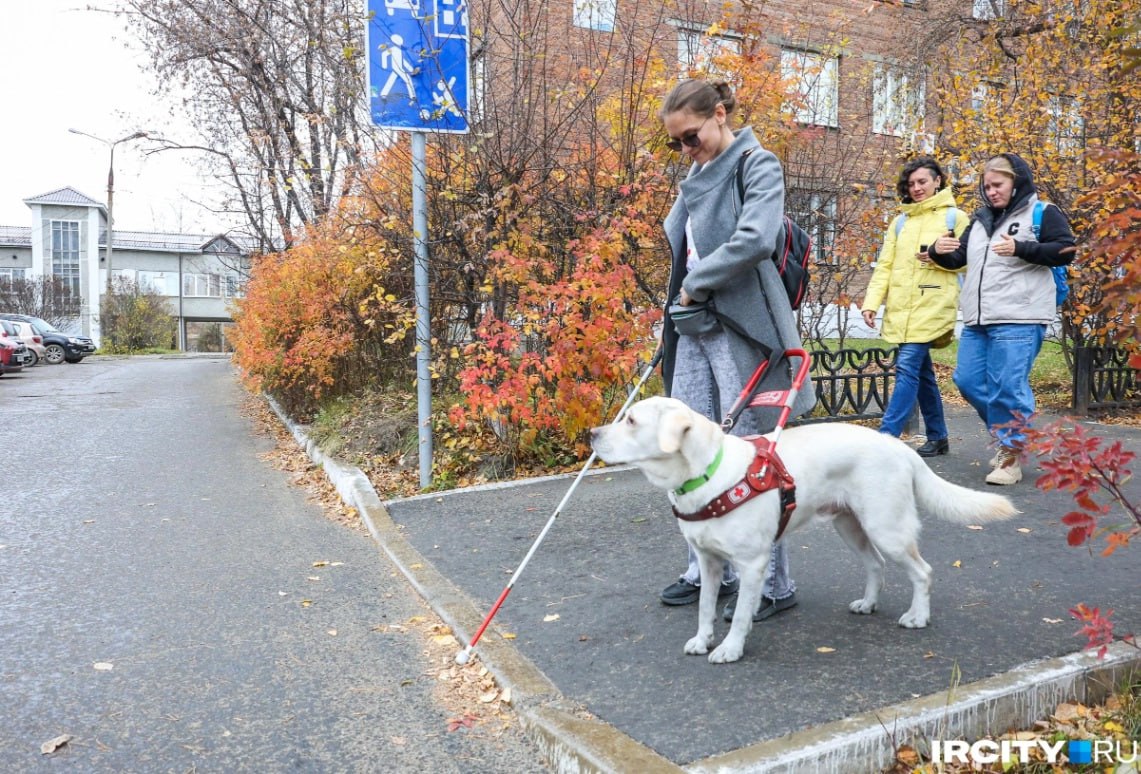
{"points": [[920, 299]]}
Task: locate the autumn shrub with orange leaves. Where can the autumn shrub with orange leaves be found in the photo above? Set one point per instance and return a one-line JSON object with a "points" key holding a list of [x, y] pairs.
{"points": [[323, 317], [561, 362]]}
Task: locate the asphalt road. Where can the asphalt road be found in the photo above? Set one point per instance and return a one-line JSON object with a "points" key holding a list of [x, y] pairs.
{"points": [[151, 606]]}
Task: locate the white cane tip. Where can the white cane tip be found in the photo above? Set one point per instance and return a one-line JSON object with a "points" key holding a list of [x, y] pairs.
{"points": [[463, 657]]}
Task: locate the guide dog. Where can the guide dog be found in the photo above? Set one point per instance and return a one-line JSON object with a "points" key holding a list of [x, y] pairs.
{"points": [[868, 484]]}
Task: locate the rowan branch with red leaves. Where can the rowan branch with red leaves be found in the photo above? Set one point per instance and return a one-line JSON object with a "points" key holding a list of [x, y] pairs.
{"points": [[1089, 467]]}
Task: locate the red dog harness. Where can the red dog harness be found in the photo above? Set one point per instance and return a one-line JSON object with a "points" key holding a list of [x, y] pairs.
{"points": [[766, 472]]}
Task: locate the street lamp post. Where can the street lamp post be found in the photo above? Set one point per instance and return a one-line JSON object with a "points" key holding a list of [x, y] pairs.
{"points": [[111, 190]]}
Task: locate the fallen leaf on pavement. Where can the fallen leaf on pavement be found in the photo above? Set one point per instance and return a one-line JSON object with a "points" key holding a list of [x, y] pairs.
{"points": [[51, 745], [825, 649], [957, 564], [551, 617], [507, 636], [104, 666]]}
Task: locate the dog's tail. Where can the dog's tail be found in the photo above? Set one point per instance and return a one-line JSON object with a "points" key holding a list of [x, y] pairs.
{"points": [[956, 503]]}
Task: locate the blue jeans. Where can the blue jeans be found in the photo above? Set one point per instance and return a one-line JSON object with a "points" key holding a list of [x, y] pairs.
{"points": [[915, 380], [993, 373], [706, 380]]}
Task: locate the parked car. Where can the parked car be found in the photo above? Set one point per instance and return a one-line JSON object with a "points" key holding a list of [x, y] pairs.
{"points": [[13, 356], [59, 346], [27, 334]]}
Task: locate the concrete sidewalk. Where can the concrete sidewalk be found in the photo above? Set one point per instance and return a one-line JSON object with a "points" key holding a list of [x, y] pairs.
{"points": [[596, 663]]}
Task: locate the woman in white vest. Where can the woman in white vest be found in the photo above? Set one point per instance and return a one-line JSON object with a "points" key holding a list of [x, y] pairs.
{"points": [[1008, 299]]}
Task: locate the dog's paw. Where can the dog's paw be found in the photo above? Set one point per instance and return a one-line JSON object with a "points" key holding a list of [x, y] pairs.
{"points": [[698, 646], [910, 620], [726, 653], [863, 607]]}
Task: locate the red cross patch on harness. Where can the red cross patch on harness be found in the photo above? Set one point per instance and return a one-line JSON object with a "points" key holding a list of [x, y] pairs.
{"points": [[739, 493]]}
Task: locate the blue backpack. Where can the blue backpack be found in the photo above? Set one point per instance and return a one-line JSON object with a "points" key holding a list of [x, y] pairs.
{"points": [[1061, 273]]}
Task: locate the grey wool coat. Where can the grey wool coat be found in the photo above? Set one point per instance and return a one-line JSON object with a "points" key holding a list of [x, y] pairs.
{"points": [[736, 241]]}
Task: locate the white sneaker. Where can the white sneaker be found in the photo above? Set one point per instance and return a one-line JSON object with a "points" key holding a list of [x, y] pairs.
{"points": [[1006, 471], [995, 460]]}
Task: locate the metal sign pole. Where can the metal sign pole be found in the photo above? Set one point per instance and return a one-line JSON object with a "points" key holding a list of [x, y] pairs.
{"points": [[423, 328], [418, 78]]}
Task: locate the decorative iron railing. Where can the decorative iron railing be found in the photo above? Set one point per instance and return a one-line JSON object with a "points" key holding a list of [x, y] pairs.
{"points": [[851, 383], [1103, 379]]}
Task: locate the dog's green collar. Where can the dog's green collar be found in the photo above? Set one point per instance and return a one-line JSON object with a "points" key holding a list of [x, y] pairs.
{"points": [[694, 483]]}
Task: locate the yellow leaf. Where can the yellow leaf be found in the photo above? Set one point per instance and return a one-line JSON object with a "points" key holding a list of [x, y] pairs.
{"points": [[551, 617], [1114, 726], [1023, 530], [974, 527], [825, 649], [507, 636], [306, 602], [320, 564], [957, 563]]}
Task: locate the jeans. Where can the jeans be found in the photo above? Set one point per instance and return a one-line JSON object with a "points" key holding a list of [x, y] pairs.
{"points": [[706, 380], [993, 373], [915, 380]]}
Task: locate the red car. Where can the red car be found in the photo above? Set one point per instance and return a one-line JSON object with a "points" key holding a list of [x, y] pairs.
{"points": [[13, 356]]}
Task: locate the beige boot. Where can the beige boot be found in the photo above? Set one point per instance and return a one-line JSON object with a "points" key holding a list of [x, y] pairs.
{"points": [[1007, 471]]}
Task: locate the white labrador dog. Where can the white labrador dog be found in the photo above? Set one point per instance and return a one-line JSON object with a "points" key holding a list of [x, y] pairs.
{"points": [[868, 484]]}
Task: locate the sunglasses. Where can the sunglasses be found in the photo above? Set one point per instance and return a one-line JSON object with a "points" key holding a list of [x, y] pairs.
{"points": [[690, 139]]}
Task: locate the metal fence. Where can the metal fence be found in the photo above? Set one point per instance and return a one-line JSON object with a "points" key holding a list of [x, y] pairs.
{"points": [[851, 383], [1103, 379]]}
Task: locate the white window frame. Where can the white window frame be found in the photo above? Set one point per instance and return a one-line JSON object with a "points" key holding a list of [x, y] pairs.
{"points": [[595, 14], [817, 79], [988, 10], [698, 50], [897, 102], [12, 274], [65, 258], [201, 285]]}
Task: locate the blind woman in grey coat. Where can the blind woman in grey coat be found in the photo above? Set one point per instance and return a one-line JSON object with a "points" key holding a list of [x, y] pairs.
{"points": [[722, 248]]}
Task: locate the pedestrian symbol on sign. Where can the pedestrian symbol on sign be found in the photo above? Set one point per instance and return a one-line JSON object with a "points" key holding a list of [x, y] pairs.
{"points": [[392, 58]]}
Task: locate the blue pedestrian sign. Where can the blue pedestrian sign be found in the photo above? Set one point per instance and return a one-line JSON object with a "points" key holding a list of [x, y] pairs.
{"points": [[418, 64]]}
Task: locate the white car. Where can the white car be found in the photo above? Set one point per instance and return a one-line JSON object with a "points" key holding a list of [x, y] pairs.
{"points": [[32, 340]]}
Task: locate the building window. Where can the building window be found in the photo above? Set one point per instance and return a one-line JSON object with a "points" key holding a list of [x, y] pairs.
{"points": [[211, 285], [1065, 125], [822, 228], [165, 283], [12, 275], [817, 86], [985, 10], [595, 14], [65, 253], [698, 50], [897, 101]]}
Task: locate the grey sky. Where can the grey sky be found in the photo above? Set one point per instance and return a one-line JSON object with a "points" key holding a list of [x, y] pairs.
{"points": [[67, 67]]}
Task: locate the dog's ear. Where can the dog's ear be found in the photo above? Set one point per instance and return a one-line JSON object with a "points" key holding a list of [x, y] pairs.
{"points": [[672, 430]]}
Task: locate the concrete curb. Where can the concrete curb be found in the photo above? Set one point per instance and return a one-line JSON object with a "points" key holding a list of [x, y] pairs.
{"points": [[569, 738], [867, 742], [573, 741]]}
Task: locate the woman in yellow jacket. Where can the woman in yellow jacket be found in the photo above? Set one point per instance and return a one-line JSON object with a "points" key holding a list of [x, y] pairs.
{"points": [[920, 298]]}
